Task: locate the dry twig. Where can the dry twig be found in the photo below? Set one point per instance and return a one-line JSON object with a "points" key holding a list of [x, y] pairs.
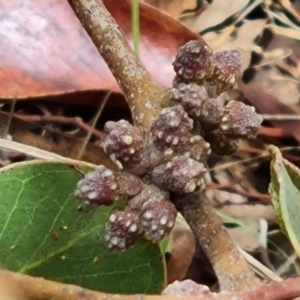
{"points": [[29, 288]]}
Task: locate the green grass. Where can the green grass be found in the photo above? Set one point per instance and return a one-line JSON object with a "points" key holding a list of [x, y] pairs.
{"points": [[135, 23]]}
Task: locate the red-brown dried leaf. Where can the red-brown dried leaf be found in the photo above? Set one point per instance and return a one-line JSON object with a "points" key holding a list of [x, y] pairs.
{"points": [[45, 51]]}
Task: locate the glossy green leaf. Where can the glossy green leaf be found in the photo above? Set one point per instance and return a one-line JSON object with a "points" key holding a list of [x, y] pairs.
{"points": [[45, 231], [285, 194]]}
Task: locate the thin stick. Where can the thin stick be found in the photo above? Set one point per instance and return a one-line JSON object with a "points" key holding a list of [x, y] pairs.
{"points": [[30, 288], [12, 109], [98, 114], [61, 120], [281, 117]]}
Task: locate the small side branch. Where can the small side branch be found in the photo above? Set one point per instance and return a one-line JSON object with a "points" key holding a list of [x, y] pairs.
{"points": [[61, 120]]}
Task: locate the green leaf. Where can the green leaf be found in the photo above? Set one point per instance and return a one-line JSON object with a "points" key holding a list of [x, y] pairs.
{"points": [[45, 231], [285, 194]]}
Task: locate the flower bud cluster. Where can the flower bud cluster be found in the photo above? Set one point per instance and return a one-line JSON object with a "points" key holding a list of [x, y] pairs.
{"points": [[182, 137]]}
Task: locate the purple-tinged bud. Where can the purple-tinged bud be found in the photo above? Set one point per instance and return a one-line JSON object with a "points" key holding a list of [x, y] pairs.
{"points": [[228, 66], [157, 218], [180, 175], [240, 120], [123, 142], [103, 186], [211, 112], [227, 69], [186, 288], [221, 144], [194, 60], [190, 96], [150, 192], [122, 229], [196, 148], [171, 128]]}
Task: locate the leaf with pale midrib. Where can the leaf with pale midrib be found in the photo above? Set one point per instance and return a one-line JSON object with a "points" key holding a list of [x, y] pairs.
{"points": [[44, 232]]}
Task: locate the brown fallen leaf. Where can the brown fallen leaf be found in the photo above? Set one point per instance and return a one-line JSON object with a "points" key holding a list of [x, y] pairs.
{"points": [[161, 36], [267, 103], [45, 51], [248, 213], [181, 248]]}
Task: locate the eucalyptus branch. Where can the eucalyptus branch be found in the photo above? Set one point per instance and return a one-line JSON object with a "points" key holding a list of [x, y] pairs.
{"points": [[146, 98], [143, 94]]}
